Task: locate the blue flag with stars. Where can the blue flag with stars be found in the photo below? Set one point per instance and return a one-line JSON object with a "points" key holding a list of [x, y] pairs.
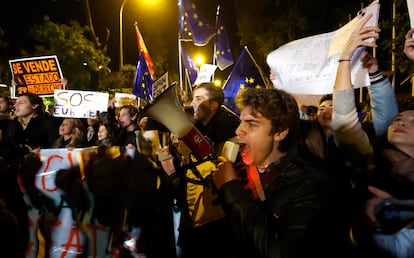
{"points": [[190, 66], [245, 73], [192, 25], [143, 81], [224, 57]]}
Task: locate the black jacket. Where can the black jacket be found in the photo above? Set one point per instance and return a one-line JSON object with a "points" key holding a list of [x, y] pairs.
{"points": [[297, 219], [41, 132]]}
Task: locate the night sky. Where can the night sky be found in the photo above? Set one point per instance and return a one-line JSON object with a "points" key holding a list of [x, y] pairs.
{"points": [[158, 25]]}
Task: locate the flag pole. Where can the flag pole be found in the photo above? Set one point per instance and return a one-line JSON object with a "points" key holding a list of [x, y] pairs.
{"points": [[180, 64], [215, 43]]}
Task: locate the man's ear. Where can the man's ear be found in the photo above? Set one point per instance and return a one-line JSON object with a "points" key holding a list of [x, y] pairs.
{"points": [[214, 105], [281, 135]]}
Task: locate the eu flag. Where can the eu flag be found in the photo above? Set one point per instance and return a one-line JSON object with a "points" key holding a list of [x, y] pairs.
{"points": [[224, 57], [190, 66], [193, 26], [143, 81], [245, 73]]}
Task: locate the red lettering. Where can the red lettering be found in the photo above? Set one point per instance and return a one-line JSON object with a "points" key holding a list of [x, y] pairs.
{"points": [[28, 249], [49, 160], [74, 235]]}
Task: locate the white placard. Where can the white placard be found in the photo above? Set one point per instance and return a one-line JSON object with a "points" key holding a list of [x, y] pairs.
{"points": [[309, 65], [159, 86], [206, 73], [79, 104]]}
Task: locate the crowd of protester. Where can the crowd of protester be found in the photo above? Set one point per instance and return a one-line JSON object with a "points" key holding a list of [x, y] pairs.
{"points": [[322, 181]]}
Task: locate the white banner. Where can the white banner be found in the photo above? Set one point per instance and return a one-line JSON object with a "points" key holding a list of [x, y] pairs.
{"points": [[65, 236], [80, 104], [309, 65]]}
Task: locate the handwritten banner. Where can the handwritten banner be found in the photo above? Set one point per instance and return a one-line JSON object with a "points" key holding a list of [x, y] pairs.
{"points": [[65, 236], [38, 75], [309, 65], [80, 104]]}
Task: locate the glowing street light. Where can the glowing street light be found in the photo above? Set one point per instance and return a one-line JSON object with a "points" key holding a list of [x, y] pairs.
{"points": [[121, 43], [199, 60]]}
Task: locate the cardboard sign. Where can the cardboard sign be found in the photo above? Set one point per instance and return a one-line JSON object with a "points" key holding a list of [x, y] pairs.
{"points": [[79, 104], [38, 75]]}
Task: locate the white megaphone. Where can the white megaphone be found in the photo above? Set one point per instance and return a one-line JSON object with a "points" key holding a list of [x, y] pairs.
{"points": [[167, 110]]}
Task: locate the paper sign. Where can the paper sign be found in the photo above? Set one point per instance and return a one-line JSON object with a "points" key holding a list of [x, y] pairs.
{"points": [[38, 75], [159, 86], [122, 99], [206, 73], [79, 104], [309, 65]]}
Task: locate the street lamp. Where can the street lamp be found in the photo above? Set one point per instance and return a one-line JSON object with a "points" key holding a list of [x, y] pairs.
{"points": [[121, 43], [121, 46]]}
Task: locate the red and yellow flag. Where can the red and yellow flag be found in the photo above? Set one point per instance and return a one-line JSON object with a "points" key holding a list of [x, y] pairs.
{"points": [[144, 51]]}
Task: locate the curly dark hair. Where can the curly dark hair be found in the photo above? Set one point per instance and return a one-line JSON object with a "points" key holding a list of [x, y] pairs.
{"points": [[276, 105]]}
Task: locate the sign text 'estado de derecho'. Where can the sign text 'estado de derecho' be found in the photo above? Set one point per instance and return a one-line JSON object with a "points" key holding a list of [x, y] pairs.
{"points": [[38, 75]]}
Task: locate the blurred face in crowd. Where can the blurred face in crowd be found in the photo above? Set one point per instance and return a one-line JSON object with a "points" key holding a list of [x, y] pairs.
{"points": [[125, 120], [23, 107], [401, 132], [202, 105], [325, 114], [102, 133], [66, 128], [4, 107]]}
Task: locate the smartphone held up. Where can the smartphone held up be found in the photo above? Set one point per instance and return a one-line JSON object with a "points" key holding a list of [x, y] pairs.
{"points": [[374, 9]]}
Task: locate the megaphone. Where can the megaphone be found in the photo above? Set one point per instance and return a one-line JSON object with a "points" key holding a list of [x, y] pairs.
{"points": [[167, 110]]}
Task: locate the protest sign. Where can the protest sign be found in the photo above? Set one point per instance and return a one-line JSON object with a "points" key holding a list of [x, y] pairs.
{"points": [[38, 75], [79, 104], [309, 65], [160, 86], [122, 99], [62, 234], [206, 73]]}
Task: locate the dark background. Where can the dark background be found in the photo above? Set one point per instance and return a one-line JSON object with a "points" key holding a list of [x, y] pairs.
{"points": [[158, 24]]}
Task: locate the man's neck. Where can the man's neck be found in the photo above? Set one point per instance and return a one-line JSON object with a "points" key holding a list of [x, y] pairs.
{"points": [[131, 128], [25, 120], [273, 159]]}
